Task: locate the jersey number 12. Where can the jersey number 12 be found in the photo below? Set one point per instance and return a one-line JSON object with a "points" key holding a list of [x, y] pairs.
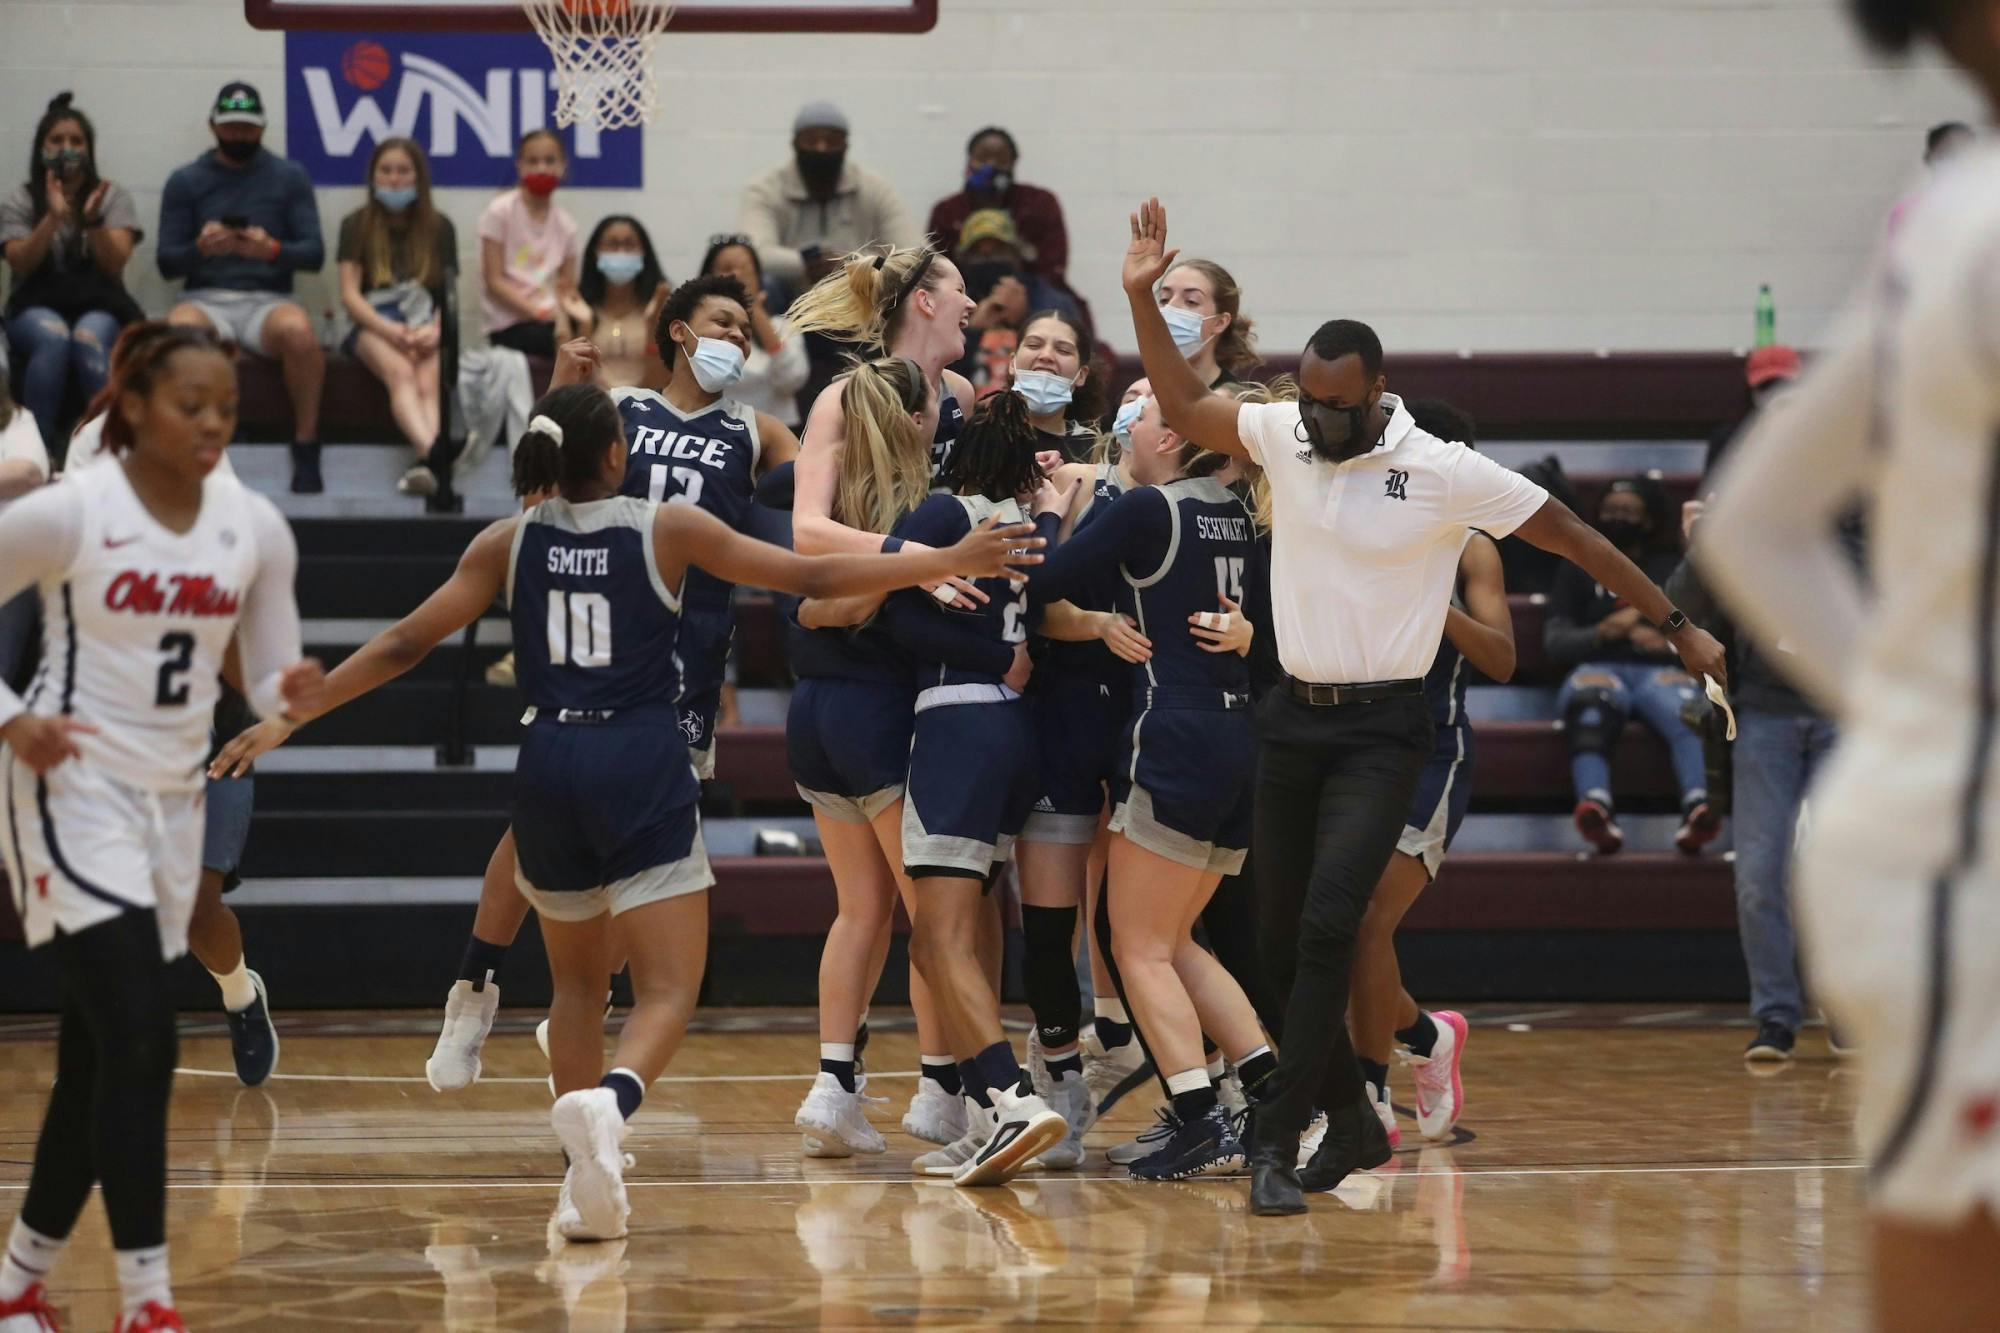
{"points": [[688, 479], [579, 629]]}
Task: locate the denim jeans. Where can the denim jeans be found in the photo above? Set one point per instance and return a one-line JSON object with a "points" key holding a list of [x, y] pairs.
{"points": [[1653, 692], [52, 355], [1776, 758]]}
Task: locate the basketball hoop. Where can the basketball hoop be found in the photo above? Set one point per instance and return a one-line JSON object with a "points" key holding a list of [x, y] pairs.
{"points": [[603, 51]]}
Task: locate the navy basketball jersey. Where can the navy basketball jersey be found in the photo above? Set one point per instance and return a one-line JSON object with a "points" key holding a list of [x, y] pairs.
{"points": [[941, 521], [1209, 546], [951, 424], [594, 625], [706, 458], [1444, 684], [1098, 592]]}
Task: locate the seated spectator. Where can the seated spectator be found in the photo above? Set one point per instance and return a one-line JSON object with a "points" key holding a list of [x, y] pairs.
{"points": [[527, 252], [396, 251], [998, 278], [1623, 666], [237, 223], [622, 288], [1053, 372], [67, 234], [806, 215], [1221, 345], [777, 367], [990, 158]]}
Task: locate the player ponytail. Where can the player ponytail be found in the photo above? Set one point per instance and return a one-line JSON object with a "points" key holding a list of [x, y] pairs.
{"points": [[885, 469], [995, 457], [138, 360], [568, 433], [866, 300]]}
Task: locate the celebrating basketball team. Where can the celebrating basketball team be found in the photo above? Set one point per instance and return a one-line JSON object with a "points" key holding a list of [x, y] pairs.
{"points": [[1022, 643]]}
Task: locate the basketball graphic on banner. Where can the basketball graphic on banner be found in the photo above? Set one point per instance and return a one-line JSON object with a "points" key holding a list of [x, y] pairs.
{"points": [[365, 65]]}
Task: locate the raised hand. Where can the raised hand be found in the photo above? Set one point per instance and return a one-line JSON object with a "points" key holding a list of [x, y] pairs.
{"points": [[576, 362], [1147, 260], [58, 202]]}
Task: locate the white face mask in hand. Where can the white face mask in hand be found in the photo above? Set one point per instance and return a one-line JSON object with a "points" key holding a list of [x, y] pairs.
{"points": [[1720, 700]]}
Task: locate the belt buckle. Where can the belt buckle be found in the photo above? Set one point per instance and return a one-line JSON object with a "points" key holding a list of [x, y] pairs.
{"points": [[1324, 696]]}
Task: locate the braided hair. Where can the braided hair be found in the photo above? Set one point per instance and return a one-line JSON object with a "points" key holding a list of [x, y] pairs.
{"points": [[995, 456]]}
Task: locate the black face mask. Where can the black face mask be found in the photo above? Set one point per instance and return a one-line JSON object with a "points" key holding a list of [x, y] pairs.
{"points": [[820, 170], [983, 275], [1622, 532], [237, 150], [1336, 433]]}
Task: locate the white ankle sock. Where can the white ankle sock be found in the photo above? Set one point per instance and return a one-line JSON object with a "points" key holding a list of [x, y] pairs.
{"points": [[142, 1277], [1112, 1009], [1188, 1080], [237, 990], [1216, 1068], [30, 1256]]}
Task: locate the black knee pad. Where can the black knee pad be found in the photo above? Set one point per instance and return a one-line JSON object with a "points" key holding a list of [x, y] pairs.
{"points": [[1594, 719], [1049, 969]]}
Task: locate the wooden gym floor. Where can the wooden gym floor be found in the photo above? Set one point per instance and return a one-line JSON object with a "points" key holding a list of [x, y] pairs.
{"points": [[1617, 1169]]}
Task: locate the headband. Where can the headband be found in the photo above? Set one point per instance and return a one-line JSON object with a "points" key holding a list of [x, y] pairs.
{"points": [[911, 286]]}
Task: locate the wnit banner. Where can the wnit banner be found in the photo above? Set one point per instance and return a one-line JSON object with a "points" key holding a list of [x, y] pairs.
{"points": [[466, 97]]}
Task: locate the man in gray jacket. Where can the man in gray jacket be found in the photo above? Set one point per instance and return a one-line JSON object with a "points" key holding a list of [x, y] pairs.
{"points": [[804, 215]]}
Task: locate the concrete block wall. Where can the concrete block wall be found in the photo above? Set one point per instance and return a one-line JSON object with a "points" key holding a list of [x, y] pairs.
{"points": [[1478, 174]]}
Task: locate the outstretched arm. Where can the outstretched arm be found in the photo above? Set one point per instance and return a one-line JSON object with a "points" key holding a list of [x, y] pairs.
{"points": [[1484, 631], [1209, 419]]}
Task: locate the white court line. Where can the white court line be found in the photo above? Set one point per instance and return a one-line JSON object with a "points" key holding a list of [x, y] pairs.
{"points": [[1671, 1016], [543, 1080], [1793, 1168]]}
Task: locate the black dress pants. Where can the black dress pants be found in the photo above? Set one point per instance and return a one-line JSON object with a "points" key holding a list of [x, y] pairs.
{"points": [[1334, 786]]}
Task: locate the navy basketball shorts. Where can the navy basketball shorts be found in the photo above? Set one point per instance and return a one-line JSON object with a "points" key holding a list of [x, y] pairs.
{"points": [[972, 782], [1080, 727], [1184, 790], [1444, 793], [226, 810], [600, 823], [703, 650], [847, 743]]}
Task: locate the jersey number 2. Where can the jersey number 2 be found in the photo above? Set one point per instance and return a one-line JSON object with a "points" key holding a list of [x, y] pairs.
{"points": [[686, 478], [178, 650], [579, 629]]}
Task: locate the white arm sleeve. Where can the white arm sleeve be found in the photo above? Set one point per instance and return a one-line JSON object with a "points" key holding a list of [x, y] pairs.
{"points": [[1767, 546], [39, 537], [269, 630]]}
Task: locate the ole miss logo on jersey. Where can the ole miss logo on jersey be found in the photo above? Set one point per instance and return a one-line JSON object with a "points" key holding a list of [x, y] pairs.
{"points": [[182, 595]]}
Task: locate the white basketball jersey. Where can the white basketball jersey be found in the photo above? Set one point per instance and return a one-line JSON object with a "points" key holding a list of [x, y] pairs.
{"points": [[135, 629]]}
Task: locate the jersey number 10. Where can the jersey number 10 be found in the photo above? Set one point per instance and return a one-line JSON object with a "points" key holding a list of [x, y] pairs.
{"points": [[579, 629]]}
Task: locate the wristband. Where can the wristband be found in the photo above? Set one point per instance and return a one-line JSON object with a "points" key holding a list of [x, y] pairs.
{"points": [[891, 545]]}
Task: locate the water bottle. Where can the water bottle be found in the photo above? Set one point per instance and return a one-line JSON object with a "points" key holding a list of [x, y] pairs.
{"points": [[1767, 317]]}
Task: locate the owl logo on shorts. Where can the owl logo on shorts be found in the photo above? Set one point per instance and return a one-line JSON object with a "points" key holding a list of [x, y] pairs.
{"points": [[691, 727]]}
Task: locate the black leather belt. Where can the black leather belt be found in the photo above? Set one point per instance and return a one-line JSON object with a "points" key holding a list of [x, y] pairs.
{"points": [[1368, 692]]}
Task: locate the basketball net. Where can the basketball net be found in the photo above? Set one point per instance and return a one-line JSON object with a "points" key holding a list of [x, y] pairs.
{"points": [[603, 53]]}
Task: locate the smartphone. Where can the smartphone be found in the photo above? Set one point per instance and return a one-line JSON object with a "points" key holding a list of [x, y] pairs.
{"points": [[235, 221]]}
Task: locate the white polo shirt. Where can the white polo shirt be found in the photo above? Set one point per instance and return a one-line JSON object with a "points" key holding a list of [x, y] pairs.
{"points": [[1365, 554]]}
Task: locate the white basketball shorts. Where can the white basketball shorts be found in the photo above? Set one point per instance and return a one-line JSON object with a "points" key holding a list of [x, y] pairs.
{"points": [[82, 847]]}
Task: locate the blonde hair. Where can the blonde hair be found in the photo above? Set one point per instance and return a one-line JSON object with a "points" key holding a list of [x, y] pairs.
{"points": [[1236, 346], [1283, 389], [865, 301], [885, 470]]}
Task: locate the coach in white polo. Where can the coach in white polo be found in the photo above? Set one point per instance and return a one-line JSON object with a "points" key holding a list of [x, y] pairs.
{"points": [[1370, 515]]}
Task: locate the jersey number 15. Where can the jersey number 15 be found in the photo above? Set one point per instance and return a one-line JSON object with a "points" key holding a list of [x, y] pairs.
{"points": [[579, 629]]}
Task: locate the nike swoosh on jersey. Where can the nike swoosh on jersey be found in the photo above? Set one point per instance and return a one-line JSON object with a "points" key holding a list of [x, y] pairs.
{"points": [[111, 545]]}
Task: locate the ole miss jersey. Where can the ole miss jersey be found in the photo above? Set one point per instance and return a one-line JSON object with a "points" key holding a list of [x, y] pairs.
{"points": [[706, 458], [136, 627], [594, 625]]}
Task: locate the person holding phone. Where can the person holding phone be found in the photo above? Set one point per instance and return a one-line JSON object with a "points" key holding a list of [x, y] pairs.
{"points": [[236, 223]]}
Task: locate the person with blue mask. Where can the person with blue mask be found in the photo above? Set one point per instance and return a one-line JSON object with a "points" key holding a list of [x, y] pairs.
{"points": [[396, 253], [1052, 373], [1203, 307], [621, 281]]}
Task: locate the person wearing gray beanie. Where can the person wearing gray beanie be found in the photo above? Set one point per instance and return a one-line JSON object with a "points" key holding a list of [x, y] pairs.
{"points": [[805, 214]]}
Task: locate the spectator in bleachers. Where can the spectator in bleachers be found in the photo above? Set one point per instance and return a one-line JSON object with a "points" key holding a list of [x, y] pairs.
{"points": [[806, 215], [990, 158], [1204, 308], [1053, 372], [1624, 667], [777, 367], [66, 233], [527, 252], [237, 223], [622, 287], [395, 253], [998, 278]]}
